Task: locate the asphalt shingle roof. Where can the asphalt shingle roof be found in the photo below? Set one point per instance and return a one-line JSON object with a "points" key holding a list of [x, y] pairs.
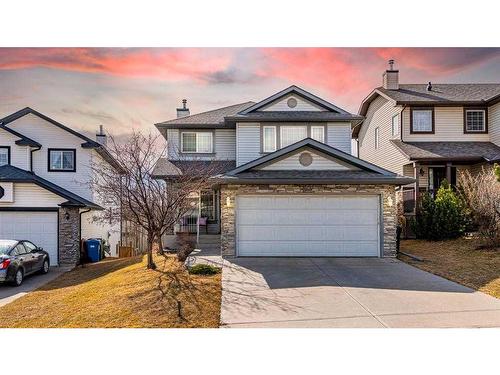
{"points": [[213, 117], [9, 173], [314, 177], [472, 151], [444, 92], [171, 168]]}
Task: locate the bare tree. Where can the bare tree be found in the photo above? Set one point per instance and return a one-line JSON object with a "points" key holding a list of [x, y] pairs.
{"points": [[152, 203], [481, 192]]}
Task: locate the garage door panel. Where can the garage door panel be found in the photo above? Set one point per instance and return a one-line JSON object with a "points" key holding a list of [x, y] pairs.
{"points": [[38, 227], [307, 226]]}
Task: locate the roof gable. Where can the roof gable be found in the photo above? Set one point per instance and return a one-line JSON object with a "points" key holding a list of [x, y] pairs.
{"points": [[89, 143], [307, 159], [312, 102], [322, 148]]}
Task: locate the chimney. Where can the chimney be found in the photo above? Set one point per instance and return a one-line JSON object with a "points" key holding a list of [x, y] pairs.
{"points": [[390, 79], [101, 136], [184, 111], [429, 86]]}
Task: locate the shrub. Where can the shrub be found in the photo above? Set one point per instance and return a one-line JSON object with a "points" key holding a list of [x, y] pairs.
{"points": [[204, 269], [441, 218], [481, 193]]}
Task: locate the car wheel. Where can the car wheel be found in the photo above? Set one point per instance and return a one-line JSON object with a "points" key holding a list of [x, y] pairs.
{"points": [[19, 277], [45, 267]]}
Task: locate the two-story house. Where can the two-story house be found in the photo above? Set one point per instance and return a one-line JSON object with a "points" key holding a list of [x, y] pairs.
{"points": [[429, 131], [45, 197], [288, 184]]}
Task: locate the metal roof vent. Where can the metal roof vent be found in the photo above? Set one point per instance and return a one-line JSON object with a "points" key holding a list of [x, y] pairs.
{"points": [[429, 86]]}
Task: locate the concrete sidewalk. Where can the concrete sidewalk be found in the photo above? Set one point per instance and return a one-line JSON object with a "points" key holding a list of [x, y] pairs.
{"points": [[347, 292], [10, 293]]}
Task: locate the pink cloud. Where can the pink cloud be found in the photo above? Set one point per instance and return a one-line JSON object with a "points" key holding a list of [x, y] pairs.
{"points": [[170, 64]]}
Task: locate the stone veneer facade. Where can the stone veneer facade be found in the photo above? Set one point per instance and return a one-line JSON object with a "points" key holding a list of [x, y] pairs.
{"points": [[69, 236], [228, 228]]}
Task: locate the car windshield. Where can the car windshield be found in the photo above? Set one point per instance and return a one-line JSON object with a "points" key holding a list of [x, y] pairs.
{"points": [[6, 245]]}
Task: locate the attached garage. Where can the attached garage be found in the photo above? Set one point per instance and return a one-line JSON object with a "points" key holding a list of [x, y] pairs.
{"points": [[308, 225], [41, 228]]}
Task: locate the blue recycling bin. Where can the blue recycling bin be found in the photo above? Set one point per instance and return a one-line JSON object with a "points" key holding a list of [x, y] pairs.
{"points": [[94, 250]]}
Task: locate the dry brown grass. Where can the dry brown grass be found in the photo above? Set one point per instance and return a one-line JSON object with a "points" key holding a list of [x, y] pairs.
{"points": [[120, 293], [459, 261]]}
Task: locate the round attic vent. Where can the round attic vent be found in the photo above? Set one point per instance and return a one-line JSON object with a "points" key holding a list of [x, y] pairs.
{"points": [[305, 159], [292, 102], [2, 192]]}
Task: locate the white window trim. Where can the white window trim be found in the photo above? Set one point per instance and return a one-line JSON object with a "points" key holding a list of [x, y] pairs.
{"points": [[395, 117], [196, 152], [318, 127], [377, 138], [484, 121], [263, 137], [290, 126]]}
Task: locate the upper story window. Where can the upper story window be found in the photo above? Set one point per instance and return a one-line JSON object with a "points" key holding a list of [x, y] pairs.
{"points": [[376, 137], [197, 142], [269, 138], [4, 155], [292, 134], [318, 133], [62, 160], [475, 120], [395, 125], [422, 120]]}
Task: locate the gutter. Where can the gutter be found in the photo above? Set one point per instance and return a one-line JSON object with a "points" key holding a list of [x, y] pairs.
{"points": [[31, 156], [288, 181]]}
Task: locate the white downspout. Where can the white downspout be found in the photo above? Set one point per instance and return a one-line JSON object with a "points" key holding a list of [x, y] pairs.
{"points": [[198, 220]]}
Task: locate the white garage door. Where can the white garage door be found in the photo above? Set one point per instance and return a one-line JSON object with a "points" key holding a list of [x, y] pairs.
{"points": [[37, 227], [307, 225]]}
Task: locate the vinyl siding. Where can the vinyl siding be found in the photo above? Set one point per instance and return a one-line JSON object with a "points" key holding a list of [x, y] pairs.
{"points": [[339, 136], [31, 195], [224, 146], [448, 126], [494, 123], [319, 163], [19, 155], [50, 136], [302, 105], [387, 155], [247, 142]]}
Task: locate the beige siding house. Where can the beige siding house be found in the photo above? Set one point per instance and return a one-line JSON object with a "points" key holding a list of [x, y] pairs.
{"points": [[288, 184], [429, 131]]}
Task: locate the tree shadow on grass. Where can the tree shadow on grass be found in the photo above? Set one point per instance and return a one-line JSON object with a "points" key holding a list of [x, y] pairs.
{"points": [[88, 272]]}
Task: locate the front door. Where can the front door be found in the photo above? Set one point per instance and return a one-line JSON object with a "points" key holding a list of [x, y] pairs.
{"points": [[436, 177]]}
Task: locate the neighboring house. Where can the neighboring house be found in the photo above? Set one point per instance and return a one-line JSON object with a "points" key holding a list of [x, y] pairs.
{"points": [[45, 168], [288, 184], [429, 131]]}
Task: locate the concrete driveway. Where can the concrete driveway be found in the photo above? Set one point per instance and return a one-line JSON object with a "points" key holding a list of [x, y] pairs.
{"points": [[10, 293], [347, 292]]}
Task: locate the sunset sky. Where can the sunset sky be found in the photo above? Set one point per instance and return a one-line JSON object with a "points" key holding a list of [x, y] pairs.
{"points": [[126, 89]]}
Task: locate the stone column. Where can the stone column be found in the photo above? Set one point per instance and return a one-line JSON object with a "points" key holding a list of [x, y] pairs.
{"points": [[228, 235], [69, 236]]}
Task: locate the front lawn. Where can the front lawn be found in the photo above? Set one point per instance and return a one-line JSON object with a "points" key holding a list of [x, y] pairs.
{"points": [[459, 261], [120, 293]]}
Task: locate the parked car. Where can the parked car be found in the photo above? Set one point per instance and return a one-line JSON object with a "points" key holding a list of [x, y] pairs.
{"points": [[20, 258]]}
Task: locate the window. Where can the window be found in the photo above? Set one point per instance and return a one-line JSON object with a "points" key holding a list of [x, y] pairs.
{"points": [[395, 125], [422, 120], [19, 250], [269, 138], [29, 246], [208, 205], [4, 155], [292, 134], [62, 160], [376, 138], [475, 120], [194, 142], [318, 133]]}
